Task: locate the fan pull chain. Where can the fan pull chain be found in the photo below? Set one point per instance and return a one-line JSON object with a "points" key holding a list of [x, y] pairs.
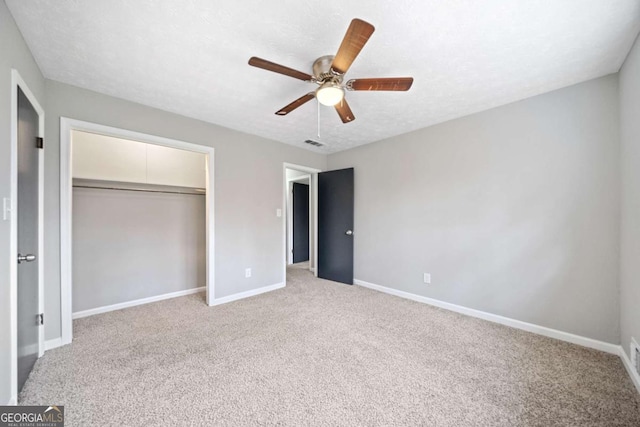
{"points": [[318, 103]]}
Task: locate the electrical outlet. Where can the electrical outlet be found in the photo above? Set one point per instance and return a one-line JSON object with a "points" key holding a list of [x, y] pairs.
{"points": [[427, 278], [279, 213], [247, 272]]}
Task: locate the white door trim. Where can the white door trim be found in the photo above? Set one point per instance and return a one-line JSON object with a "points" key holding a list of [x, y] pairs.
{"points": [[18, 81], [313, 172], [66, 126]]}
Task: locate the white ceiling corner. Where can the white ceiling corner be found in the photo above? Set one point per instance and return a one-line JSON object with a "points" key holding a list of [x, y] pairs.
{"points": [[190, 57]]}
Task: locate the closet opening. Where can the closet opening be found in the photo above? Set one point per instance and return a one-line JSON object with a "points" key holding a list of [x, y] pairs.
{"points": [[140, 223]]}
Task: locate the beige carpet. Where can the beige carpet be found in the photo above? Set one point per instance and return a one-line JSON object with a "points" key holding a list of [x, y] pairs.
{"points": [[322, 353]]}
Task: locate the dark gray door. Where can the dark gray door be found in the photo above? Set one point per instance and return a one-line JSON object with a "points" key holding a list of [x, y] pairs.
{"points": [[335, 225], [300, 222], [28, 319]]}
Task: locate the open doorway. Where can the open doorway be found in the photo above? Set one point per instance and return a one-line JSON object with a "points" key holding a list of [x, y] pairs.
{"points": [[330, 222], [136, 220], [300, 219], [299, 223]]}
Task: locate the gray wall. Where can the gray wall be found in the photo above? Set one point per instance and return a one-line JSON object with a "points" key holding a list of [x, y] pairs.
{"points": [[513, 211], [15, 54], [248, 188], [630, 228], [129, 245]]}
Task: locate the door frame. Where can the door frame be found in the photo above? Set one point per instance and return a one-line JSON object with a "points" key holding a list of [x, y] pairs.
{"points": [[18, 82], [290, 202], [313, 173], [68, 125]]}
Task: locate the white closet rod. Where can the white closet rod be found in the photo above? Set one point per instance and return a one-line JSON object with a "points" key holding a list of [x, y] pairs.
{"points": [[145, 190]]}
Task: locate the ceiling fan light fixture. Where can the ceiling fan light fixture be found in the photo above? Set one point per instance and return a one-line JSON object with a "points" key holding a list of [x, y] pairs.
{"points": [[330, 93]]}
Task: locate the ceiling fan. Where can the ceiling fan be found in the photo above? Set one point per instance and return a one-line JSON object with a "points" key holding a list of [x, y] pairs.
{"points": [[329, 71]]}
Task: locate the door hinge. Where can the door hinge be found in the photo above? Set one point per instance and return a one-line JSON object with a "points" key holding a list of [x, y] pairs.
{"points": [[41, 319], [39, 142]]}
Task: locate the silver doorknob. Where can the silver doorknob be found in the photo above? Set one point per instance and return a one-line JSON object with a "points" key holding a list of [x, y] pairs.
{"points": [[26, 258], [349, 233]]}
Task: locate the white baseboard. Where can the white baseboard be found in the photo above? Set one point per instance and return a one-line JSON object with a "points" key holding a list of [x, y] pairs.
{"points": [[518, 324], [29, 349], [13, 401], [635, 377], [51, 344], [247, 294], [105, 309]]}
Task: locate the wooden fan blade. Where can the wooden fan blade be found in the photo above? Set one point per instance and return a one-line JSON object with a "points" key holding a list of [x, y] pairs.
{"points": [[344, 111], [386, 83], [354, 40], [277, 68], [295, 104]]}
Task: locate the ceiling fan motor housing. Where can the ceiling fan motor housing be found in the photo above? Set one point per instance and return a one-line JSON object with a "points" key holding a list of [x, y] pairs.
{"points": [[322, 70]]}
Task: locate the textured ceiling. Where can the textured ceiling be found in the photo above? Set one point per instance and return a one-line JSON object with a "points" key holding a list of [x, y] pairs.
{"points": [[190, 57]]}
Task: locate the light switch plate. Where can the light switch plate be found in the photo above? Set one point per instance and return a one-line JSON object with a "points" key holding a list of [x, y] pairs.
{"points": [[278, 213], [6, 209]]}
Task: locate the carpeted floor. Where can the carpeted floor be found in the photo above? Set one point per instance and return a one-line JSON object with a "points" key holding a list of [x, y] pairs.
{"points": [[322, 353]]}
